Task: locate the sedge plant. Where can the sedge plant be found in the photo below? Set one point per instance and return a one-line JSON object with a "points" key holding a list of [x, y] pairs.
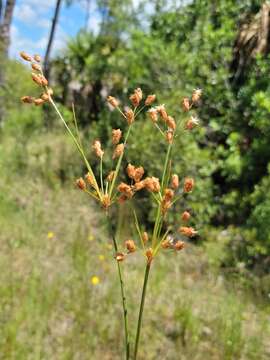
{"points": [[106, 189]]}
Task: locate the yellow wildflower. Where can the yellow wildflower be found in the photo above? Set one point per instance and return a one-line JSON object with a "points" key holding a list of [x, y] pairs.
{"points": [[95, 280]]}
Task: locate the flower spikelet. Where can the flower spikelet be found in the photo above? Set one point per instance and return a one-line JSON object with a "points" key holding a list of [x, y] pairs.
{"points": [[130, 245], [188, 231], [150, 99], [118, 151], [116, 136], [97, 148], [188, 185]]}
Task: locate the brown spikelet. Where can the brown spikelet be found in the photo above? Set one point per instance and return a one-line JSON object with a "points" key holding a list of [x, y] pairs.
{"points": [[188, 231], [150, 99], [90, 180], [81, 184], [185, 104], [185, 216], [27, 99], [149, 254], [129, 115], [37, 58], [188, 185], [139, 172], [171, 123], [139, 185], [25, 56], [130, 245], [111, 176], [168, 194], [169, 136], [45, 97], [97, 148], [113, 101], [106, 201], [145, 237], [179, 245], [116, 136], [125, 189], [175, 181], [118, 151], [196, 95], [162, 111], [131, 171], [166, 244], [39, 101], [36, 67], [136, 97], [152, 184], [153, 114], [120, 256]]}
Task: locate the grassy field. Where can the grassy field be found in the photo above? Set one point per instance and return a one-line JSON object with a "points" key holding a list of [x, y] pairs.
{"points": [[53, 242]]}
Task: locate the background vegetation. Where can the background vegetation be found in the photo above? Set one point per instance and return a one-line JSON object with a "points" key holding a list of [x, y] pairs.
{"points": [[212, 301]]}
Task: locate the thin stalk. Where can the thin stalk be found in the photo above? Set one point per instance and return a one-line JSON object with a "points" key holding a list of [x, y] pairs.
{"points": [[77, 144], [139, 325], [119, 164], [101, 174], [123, 296]]}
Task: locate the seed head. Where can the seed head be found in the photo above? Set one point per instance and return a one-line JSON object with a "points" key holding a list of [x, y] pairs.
{"points": [[106, 201], [166, 244], [125, 189], [152, 184], [90, 180], [27, 99], [165, 205], [179, 245], [171, 123], [120, 256], [149, 255], [118, 151], [139, 172], [150, 99], [139, 185], [145, 237], [111, 176], [168, 194], [113, 101], [81, 184], [97, 148], [116, 136], [45, 97], [129, 115], [131, 171], [153, 113], [37, 58], [188, 185], [25, 56], [185, 104], [192, 122], [36, 67], [136, 97], [196, 95], [175, 181], [130, 245], [39, 79], [162, 111], [187, 231], [185, 216], [169, 136], [39, 101]]}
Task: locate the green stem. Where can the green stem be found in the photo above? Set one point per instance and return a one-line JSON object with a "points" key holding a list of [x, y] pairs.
{"points": [[146, 275], [123, 296], [77, 144]]}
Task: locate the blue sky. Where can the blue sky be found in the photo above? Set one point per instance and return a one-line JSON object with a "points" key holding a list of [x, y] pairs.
{"points": [[32, 21]]}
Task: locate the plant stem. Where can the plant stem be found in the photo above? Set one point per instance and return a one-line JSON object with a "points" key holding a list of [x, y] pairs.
{"points": [[123, 296], [146, 275]]}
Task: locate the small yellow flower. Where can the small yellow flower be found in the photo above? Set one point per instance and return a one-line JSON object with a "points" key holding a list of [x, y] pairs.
{"points": [[95, 280], [50, 235], [101, 257], [90, 237]]}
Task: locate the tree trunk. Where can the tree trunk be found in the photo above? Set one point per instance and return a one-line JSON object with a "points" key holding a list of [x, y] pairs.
{"points": [[51, 37], [5, 23]]}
